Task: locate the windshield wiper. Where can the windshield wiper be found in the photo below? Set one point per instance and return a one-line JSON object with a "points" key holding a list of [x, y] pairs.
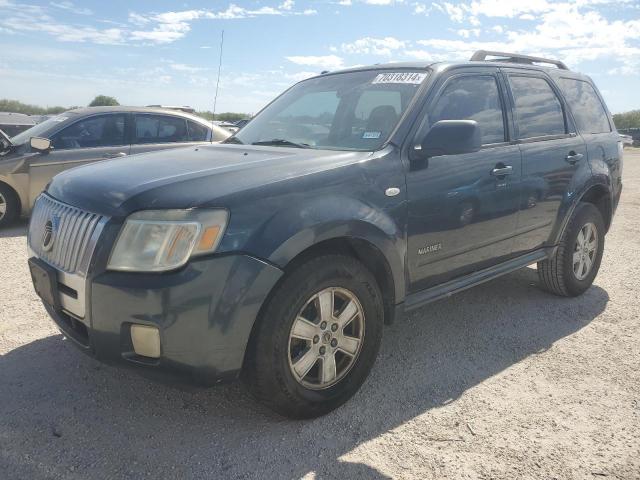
{"points": [[233, 139], [282, 143]]}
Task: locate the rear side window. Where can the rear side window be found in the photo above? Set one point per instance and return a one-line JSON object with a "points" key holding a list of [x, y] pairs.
{"points": [[197, 132], [472, 98], [160, 129], [538, 109], [91, 132], [587, 108]]}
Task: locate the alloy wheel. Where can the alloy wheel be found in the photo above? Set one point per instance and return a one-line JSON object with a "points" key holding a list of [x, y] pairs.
{"points": [[326, 338], [3, 206], [585, 250]]}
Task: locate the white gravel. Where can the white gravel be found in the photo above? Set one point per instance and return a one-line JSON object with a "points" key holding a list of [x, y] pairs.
{"points": [[503, 381]]}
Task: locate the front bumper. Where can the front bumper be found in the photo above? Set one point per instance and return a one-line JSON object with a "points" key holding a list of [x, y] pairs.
{"points": [[204, 312]]}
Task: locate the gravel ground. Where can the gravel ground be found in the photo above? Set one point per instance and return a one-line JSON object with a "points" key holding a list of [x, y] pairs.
{"points": [[502, 381]]}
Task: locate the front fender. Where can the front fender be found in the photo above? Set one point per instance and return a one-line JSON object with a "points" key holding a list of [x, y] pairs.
{"points": [[11, 173], [299, 227]]}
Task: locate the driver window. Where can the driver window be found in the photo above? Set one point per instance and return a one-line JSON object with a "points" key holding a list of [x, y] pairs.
{"points": [[472, 98], [92, 132]]}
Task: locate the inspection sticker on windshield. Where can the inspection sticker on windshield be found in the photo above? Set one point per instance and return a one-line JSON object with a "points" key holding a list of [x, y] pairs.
{"points": [[412, 78], [371, 135]]}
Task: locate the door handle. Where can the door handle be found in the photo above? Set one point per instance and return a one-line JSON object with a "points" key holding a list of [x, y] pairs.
{"points": [[573, 157], [115, 155], [502, 171]]}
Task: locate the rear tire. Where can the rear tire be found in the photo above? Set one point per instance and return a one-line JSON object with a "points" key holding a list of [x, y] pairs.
{"points": [[573, 268], [9, 205], [289, 331]]}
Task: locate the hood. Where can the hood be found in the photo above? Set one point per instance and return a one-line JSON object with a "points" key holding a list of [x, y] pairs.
{"points": [[187, 177]]}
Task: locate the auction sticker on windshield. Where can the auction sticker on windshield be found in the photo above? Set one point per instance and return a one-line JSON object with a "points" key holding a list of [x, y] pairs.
{"points": [[413, 78]]}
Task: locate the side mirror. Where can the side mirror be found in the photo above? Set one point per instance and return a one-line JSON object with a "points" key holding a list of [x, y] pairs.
{"points": [[450, 137], [40, 144]]}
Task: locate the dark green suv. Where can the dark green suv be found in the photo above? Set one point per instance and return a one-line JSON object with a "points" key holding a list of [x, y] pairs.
{"points": [[353, 197]]}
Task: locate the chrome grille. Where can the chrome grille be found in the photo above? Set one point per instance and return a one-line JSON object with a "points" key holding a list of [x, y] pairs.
{"points": [[75, 234]]}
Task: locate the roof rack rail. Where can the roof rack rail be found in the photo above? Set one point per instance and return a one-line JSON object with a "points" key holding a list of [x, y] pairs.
{"points": [[481, 55]]}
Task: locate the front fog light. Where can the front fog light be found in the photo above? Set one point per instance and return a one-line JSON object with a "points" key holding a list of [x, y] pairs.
{"points": [[146, 341]]}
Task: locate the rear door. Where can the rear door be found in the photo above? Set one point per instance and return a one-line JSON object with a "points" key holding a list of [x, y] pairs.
{"points": [[595, 126], [90, 139], [553, 154], [463, 208], [152, 132]]}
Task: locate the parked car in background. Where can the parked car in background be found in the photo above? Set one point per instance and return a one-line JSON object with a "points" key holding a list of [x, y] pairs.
{"points": [[354, 197], [230, 126], [29, 160], [14, 123], [630, 135], [627, 140], [242, 123]]}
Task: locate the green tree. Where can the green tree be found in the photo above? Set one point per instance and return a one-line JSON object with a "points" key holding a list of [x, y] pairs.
{"points": [[104, 101], [627, 120], [226, 116], [15, 106]]}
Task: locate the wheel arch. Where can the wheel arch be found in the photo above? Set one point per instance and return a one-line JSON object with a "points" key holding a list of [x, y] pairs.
{"points": [[367, 253], [600, 196], [596, 193], [362, 250]]}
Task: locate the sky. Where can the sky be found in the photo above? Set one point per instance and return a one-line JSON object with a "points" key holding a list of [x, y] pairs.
{"points": [[167, 52]]}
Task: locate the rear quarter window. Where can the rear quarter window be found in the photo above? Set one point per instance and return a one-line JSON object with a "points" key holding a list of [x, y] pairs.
{"points": [[587, 109], [197, 132]]}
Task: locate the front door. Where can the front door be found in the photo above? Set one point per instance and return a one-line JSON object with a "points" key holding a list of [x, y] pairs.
{"points": [[91, 139], [463, 208]]}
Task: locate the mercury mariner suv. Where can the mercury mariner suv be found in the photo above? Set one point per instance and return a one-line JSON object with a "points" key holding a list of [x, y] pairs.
{"points": [[355, 196]]}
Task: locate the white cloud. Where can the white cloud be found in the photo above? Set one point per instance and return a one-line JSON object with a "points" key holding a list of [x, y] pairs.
{"points": [[326, 61], [155, 28], [421, 9], [374, 46], [181, 67], [573, 30], [468, 33], [70, 7], [455, 12], [173, 25], [348, 3]]}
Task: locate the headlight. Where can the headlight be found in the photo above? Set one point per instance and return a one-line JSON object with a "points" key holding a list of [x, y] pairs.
{"points": [[160, 240]]}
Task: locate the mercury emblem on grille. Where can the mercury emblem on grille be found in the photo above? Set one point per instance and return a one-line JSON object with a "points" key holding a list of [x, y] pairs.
{"points": [[48, 237]]}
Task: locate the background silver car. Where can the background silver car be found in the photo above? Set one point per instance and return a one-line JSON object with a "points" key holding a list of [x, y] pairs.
{"points": [[29, 160]]}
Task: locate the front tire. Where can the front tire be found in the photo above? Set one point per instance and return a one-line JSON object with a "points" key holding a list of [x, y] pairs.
{"points": [[573, 268], [9, 205], [316, 339]]}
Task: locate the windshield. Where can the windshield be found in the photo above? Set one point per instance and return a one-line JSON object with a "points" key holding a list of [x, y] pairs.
{"points": [[346, 111], [39, 130]]}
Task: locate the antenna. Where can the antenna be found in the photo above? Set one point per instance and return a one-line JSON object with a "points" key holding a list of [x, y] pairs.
{"points": [[215, 98]]}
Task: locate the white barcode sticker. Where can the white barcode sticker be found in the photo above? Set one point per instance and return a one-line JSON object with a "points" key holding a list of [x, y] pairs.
{"points": [[371, 135], [412, 78]]}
